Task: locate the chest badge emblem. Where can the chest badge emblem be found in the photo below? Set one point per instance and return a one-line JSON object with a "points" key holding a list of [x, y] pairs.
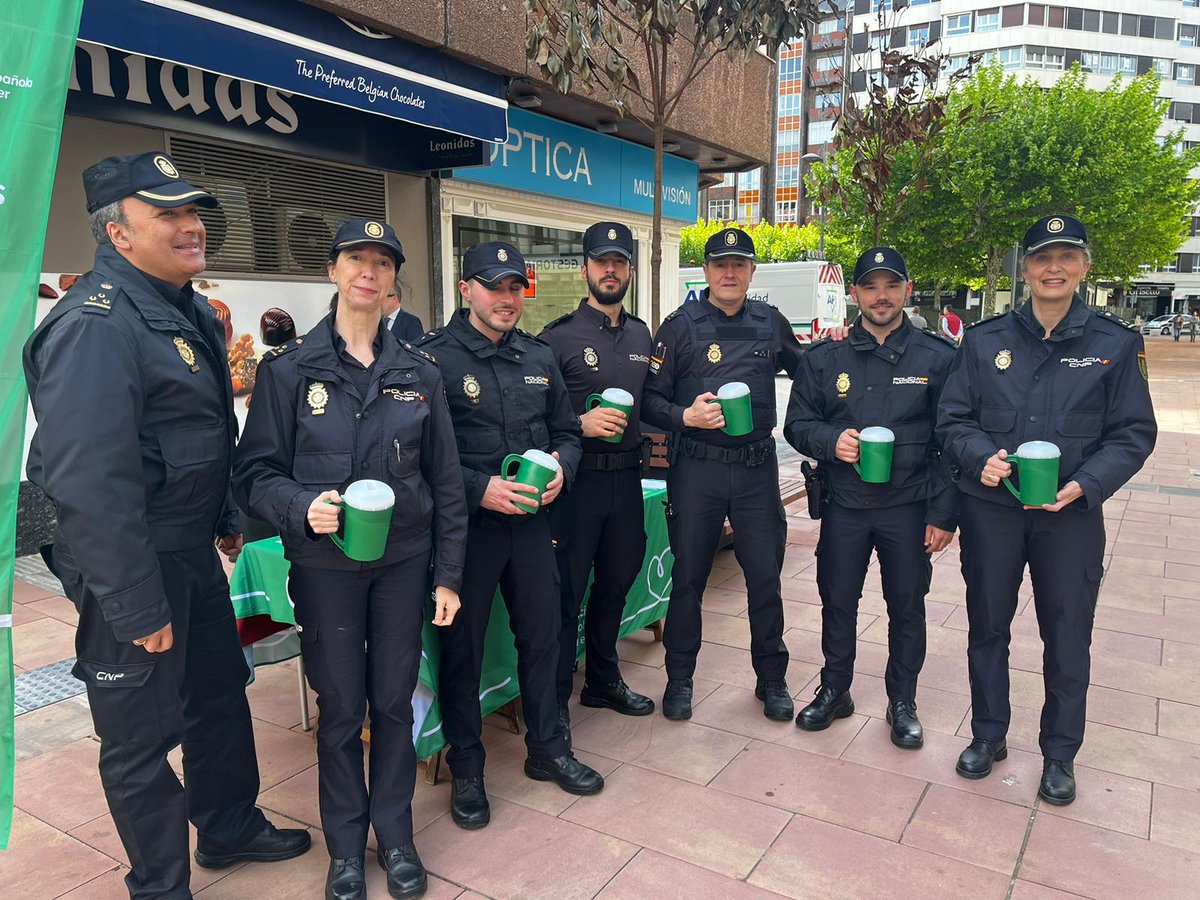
{"points": [[590, 357], [843, 384], [471, 388], [186, 353], [318, 398], [714, 353], [1003, 360]]}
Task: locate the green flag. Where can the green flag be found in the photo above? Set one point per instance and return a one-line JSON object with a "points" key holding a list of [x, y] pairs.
{"points": [[37, 41]]}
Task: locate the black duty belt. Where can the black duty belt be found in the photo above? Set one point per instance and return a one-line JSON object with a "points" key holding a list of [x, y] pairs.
{"points": [[754, 454], [612, 462]]}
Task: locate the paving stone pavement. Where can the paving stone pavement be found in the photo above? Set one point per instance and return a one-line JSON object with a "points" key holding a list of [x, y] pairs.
{"points": [[731, 805]]}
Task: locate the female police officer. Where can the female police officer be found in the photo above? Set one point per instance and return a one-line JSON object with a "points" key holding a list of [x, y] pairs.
{"points": [[1051, 370], [347, 402]]}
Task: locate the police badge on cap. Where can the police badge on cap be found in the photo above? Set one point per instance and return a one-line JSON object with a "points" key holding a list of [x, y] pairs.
{"points": [[608, 237], [877, 259], [491, 261], [729, 242], [150, 177], [361, 230]]}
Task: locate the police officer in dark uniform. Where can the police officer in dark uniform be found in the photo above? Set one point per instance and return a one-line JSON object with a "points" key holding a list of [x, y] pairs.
{"points": [[887, 374], [130, 385], [600, 520], [343, 403], [1051, 370], [506, 396], [722, 337]]}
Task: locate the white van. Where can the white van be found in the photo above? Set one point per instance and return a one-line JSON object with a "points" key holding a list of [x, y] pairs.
{"points": [[811, 295]]}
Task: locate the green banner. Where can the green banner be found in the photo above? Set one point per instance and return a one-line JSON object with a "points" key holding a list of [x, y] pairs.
{"points": [[37, 41]]}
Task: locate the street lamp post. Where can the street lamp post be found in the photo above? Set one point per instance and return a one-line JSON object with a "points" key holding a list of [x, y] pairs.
{"points": [[811, 158]]}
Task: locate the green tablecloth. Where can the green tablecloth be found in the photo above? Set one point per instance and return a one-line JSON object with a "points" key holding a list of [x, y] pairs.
{"points": [[258, 587]]}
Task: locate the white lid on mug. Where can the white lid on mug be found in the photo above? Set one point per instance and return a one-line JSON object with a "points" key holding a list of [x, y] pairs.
{"points": [[877, 434], [618, 395], [1038, 450], [542, 458], [369, 495], [733, 390]]}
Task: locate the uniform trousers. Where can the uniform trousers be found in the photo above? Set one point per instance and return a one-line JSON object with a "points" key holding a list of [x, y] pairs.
{"points": [[599, 522], [702, 493], [360, 634], [897, 535], [146, 704], [516, 553], [1065, 555]]}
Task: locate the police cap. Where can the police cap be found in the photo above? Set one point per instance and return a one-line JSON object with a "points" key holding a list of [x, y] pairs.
{"points": [[151, 177], [608, 237], [729, 242], [490, 261], [1054, 230], [880, 258], [361, 230]]}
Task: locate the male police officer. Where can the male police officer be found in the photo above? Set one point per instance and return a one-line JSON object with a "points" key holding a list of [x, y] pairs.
{"points": [[722, 337], [599, 520], [506, 395], [1051, 370], [130, 385], [887, 374]]}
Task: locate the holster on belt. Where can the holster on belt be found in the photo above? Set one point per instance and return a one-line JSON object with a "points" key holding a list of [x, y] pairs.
{"points": [[816, 488]]}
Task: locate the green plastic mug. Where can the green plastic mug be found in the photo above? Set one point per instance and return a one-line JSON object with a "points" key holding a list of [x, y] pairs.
{"points": [[875, 446], [612, 398], [1038, 462], [734, 398], [534, 467], [366, 516]]}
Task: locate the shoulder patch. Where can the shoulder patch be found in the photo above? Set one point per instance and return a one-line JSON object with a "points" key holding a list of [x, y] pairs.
{"points": [[419, 352], [99, 299], [990, 318], [1115, 320], [672, 315], [559, 321], [282, 349]]}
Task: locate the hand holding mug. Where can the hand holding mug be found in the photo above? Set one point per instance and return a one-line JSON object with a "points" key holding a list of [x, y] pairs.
{"points": [[509, 497], [323, 513], [995, 468], [603, 422], [554, 488], [446, 606], [704, 413], [847, 446], [1069, 494]]}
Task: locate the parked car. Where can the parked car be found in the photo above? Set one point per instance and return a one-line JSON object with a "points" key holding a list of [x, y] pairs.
{"points": [[1160, 324]]}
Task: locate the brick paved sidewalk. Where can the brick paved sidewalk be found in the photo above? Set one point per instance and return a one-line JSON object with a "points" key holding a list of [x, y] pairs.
{"points": [[733, 805]]}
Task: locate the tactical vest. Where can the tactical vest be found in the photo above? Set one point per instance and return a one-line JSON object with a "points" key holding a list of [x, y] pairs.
{"points": [[744, 350]]}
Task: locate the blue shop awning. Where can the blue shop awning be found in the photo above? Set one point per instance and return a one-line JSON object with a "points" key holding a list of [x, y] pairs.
{"points": [[303, 50]]}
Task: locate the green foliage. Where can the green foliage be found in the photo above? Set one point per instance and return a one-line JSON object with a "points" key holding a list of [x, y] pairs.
{"points": [[773, 243]]}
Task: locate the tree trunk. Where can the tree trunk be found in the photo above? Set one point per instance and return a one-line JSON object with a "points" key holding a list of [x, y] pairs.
{"points": [[656, 232], [937, 295], [992, 273]]}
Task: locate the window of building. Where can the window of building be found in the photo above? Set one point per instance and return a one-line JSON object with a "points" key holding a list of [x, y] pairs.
{"points": [[1109, 63], [1009, 57], [1185, 74], [987, 19], [1074, 19], [1012, 16], [748, 212], [1111, 23], [1055, 16], [790, 105], [829, 26], [827, 63], [1036, 14], [960, 24], [828, 101], [721, 209], [1045, 57], [1187, 34], [785, 211], [1181, 112], [789, 68], [787, 176], [1191, 3], [789, 142], [1161, 67], [1164, 29], [1091, 20], [918, 36], [878, 6], [820, 132]]}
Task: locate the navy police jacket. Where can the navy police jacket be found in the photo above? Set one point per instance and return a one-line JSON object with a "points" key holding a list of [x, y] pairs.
{"points": [[310, 431], [504, 398], [1083, 388], [858, 383], [135, 433]]}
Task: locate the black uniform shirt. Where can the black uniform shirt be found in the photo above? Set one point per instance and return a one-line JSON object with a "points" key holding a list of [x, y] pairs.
{"points": [[858, 383], [680, 363], [1083, 388], [359, 374], [593, 356], [311, 430], [504, 398], [135, 433]]}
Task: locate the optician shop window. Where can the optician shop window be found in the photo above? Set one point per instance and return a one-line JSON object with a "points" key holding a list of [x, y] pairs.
{"points": [[553, 256]]}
